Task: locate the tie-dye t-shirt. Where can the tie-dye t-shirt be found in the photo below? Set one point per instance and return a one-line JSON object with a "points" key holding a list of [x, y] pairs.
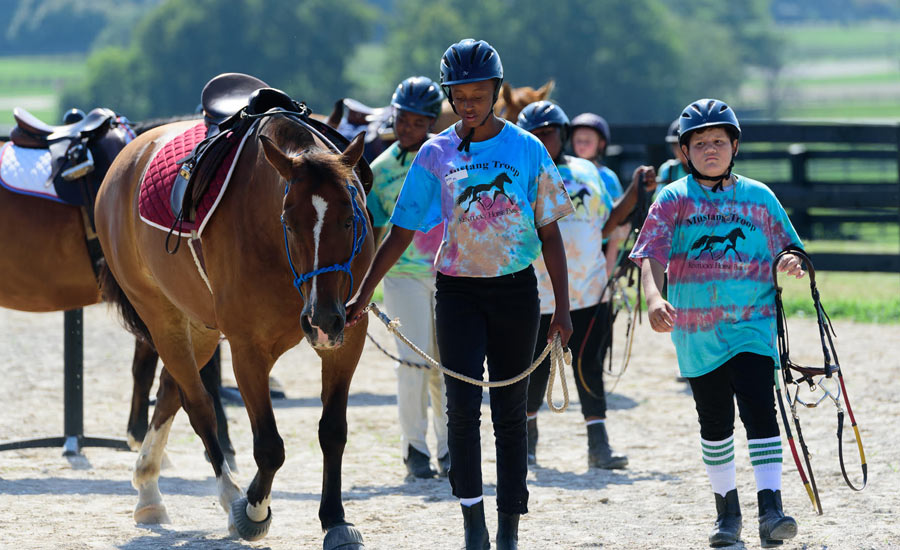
{"points": [[671, 171], [418, 259], [611, 181], [719, 249], [491, 200], [582, 235]]}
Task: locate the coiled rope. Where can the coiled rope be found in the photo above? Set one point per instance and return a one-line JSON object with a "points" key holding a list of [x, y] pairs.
{"points": [[558, 356]]}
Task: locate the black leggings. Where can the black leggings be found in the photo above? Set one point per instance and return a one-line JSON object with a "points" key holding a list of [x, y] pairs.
{"points": [[750, 378], [496, 317], [592, 397]]}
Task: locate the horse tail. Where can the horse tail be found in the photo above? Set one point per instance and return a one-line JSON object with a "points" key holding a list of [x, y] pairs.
{"points": [[114, 295], [700, 242]]}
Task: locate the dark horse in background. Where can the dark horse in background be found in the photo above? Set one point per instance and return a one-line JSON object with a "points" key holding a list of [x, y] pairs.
{"points": [[46, 263], [293, 204]]}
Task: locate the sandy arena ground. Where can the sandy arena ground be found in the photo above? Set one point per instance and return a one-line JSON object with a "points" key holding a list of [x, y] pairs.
{"points": [[662, 500]]}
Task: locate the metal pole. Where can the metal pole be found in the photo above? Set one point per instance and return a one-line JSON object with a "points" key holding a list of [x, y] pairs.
{"points": [[73, 388]]}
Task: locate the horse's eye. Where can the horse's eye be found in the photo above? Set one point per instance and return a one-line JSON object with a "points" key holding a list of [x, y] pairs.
{"points": [[349, 223]]}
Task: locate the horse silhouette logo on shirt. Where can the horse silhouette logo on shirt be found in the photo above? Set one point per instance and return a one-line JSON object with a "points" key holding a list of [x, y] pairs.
{"points": [[718, 246], [474, 193], [580, 196]]}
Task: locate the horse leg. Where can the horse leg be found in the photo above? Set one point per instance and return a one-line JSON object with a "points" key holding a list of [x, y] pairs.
{"points": [[251, 516], [338, 367], [149, 508], [143, 370], [211, 375]]}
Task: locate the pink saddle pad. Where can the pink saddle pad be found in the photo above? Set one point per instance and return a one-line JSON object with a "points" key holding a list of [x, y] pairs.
{"points": [[156, 187]]}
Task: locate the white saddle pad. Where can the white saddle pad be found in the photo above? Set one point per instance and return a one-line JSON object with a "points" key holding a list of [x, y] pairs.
{"points": [[27, 171]]}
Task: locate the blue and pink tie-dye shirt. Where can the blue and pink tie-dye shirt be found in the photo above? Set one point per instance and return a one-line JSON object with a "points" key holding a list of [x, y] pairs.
{"points": [[491, 199], [418, 259], [719, 249], [582, 234]]}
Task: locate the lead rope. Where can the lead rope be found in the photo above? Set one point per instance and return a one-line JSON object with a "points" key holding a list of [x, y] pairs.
{"points": [[558, 356]]}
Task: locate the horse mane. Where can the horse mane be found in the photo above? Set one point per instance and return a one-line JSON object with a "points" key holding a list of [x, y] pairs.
{"points": [[319, 163], [147, 125]]}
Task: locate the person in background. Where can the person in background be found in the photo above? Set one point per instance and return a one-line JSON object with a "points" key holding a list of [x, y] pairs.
{"points": [[409, 285], [595, 216], [675, 168], [590, 138]]}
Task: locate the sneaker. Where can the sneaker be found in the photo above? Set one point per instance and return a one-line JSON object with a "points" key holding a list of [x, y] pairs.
{"points": [[418, 464], [444, 465]]}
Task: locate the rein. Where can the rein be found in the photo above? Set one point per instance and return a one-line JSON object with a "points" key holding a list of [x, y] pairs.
{"points": [[815, 378], [558, 356]]}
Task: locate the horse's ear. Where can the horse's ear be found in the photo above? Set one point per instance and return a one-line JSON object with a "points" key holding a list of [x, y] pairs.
{"points": [[506, 93], [354, 151], [276, 157], [547, 88]]}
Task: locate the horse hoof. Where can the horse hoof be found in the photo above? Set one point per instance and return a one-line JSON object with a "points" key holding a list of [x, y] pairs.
{"points": [[343, 537], [152, 514], [243, 526]]}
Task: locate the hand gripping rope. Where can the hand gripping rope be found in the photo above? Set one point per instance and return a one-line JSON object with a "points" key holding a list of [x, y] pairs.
{"points": [[816, 378], [558, 356]]}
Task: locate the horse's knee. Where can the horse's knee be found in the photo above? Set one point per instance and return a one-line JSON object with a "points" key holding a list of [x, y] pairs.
{"points": [[268, 451]]}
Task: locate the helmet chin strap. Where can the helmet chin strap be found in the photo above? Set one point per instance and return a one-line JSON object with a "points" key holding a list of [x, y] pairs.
{"points": [[466, 141], [403, 151], [719, 180]]}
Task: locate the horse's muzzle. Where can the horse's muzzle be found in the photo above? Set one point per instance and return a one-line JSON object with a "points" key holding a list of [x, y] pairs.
{"points": [[324, 330]]}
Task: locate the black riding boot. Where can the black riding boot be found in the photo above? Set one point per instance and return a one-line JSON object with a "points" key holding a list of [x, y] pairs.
{"points": [[476, 531], [728, 521], [531, 425], [774, 526], [600, 455], [507, 531]]}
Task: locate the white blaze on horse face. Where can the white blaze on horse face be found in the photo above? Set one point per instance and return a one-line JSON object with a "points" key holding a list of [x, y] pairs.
{"points": [[321, 206]]}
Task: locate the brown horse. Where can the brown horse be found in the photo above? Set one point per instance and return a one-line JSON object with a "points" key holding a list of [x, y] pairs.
{"points": [[46, 267], [293, 206]]}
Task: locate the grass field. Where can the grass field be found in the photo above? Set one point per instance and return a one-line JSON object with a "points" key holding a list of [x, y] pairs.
{"points": [[35, 82]]}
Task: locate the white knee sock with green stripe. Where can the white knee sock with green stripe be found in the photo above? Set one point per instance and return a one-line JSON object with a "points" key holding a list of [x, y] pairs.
{"points": [[719, 459], [765, 456]]}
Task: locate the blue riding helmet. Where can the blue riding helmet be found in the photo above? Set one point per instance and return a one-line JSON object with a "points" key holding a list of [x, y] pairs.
{"points": [[419, 95], [544, 113], [594, 122], [72, 116], [672, 133], [706, 113], [470, 60]]}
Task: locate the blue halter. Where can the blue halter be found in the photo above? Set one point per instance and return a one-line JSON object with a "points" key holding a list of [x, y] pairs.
{"points": [[359, 237]]}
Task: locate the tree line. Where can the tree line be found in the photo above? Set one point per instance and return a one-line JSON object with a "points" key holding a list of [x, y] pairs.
{"points": [[631, 60]]}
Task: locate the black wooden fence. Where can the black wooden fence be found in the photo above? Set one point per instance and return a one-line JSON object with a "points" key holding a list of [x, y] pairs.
{"points": [[863, 200]]}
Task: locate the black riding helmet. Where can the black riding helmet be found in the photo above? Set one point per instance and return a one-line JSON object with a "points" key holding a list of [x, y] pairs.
{"points": [[471, 60], [708, 113], [544, 113], [419, 95], [672, 133], [594, 122]]}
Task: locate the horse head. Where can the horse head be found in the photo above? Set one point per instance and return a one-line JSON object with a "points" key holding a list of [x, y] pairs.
{"points": [[513, 100], [735, 234], [324, 226]]}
